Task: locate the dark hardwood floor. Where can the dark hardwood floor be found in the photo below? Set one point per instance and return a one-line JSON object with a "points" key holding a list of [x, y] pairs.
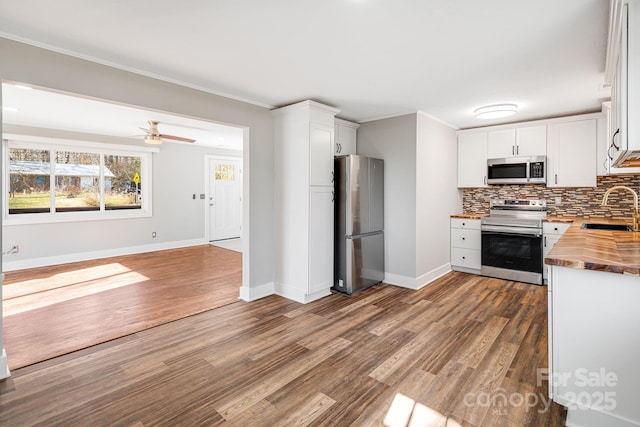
{"points": [[462, 351], [51, 311]]}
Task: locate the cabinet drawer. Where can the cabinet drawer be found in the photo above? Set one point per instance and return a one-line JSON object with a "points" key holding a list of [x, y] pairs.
{"points": [[468, 258], [473, 224], [461, 238], [554, 228]]}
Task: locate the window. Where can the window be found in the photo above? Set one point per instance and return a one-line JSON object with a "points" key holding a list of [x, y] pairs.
{"points": [[47, 182], [224, 172]]}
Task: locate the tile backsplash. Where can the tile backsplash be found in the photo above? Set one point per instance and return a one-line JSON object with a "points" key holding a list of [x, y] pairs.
{"points": [[576, 201]]}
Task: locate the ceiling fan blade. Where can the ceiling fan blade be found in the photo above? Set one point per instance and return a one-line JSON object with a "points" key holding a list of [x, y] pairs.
{"points": [[176, 138], [149, 131]]}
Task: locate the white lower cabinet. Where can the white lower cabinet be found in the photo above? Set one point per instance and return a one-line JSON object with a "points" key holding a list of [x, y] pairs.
{"points": [[551, 233], [320, 242], [465, 245]]}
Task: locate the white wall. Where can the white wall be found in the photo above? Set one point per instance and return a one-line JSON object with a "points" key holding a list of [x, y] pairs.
{"points": [[420, 194], [437, 196], [394, 141], [40, 67]]}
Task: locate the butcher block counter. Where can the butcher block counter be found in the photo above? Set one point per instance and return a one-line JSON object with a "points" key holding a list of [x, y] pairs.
{"points": [[601, 250], [594, 295]]}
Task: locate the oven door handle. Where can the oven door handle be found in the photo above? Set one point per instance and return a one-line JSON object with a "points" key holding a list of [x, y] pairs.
{"points": [[511, 230]]}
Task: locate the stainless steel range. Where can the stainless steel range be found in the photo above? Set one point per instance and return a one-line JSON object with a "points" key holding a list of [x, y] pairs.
{"points": [[512, 240]]}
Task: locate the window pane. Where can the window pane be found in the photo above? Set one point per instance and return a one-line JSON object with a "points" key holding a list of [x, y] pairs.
{"points": [[77, 181], [122, 182], [224, 172], [29, 181]]}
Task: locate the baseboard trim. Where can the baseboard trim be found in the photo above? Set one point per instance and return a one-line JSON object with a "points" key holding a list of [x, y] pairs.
{"points": [[4, 366], [399, 280], [299, 295], [419, 282], [86, 256], [581, 417], [254, 293], [432, 275]]}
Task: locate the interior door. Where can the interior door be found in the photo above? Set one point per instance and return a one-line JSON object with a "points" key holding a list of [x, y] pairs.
{"points": [[225, 199]]}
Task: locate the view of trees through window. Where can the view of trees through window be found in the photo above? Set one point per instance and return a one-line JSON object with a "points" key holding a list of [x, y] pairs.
{"points": [[77, 181]]}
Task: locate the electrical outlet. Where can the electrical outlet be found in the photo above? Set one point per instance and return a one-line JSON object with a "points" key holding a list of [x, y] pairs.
{"points": [[558, 201], [153, 234]]}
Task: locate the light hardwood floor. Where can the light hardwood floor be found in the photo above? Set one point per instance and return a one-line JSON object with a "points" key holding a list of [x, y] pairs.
{"points": [[51, 311], [439, 355]]}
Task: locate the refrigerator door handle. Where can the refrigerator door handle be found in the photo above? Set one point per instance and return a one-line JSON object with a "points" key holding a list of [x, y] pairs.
{"points": [[358, 236]]}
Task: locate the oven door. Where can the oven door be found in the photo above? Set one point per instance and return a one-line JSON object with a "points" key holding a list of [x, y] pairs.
{"points": [[513, 253]]}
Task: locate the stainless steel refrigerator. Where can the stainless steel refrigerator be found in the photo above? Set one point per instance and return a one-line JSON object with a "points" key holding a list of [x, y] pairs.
{"points": [[359, 223]]}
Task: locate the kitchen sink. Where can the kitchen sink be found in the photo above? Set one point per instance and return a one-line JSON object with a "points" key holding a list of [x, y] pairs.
{"points": [[601, 226]]}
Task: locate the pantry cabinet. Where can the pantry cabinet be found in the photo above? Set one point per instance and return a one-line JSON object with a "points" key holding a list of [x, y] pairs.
{"points": [[303, 187]]}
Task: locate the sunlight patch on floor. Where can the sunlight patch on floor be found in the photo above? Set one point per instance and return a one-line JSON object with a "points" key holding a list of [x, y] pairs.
{"points": [[68, 278], [67, 286], [405, 411]]}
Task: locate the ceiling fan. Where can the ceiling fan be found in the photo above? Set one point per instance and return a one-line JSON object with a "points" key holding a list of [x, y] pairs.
{"points": [[153, 136]]}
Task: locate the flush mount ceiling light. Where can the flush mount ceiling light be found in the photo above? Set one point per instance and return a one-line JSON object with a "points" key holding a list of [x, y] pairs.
{"points": [[496, 111]]}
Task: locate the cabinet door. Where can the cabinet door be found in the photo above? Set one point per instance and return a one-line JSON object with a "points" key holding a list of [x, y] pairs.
{"points": [[472, 159], [320, 154], [572, 154], [548, 243], [320, 238], [501, 143], [345, 140], [531, 141]]}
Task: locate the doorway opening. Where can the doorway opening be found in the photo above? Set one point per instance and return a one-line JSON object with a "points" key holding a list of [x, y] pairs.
{"points": [[172, 235]]}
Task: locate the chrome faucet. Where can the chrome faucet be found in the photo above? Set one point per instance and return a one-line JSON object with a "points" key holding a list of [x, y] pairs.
{"points": [[636, 218]]}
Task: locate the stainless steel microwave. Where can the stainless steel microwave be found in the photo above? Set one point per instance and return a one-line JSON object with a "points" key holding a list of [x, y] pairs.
{"points": [[517, 170]]}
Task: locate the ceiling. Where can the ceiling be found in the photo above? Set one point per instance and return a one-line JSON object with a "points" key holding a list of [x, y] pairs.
{"points": [[53, 110], [369, 58]]}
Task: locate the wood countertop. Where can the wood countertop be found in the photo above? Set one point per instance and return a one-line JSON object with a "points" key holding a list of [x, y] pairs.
{"points": [[601, 250], [562, 219], [469, 215]]}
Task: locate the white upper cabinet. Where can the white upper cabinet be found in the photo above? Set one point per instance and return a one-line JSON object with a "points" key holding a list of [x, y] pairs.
{"points": [[501, 143], [320, 155], [472, 159], [518, 142], [623, 73], [572, 154], [531, 141], [345, 137]]}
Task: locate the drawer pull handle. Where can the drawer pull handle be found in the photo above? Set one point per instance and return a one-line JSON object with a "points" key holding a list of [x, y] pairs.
{"points": [[464, 223], [464, 257], [463, 238]]}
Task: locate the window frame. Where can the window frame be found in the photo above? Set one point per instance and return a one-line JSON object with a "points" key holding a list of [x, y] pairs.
{"points": [[103, 149]]}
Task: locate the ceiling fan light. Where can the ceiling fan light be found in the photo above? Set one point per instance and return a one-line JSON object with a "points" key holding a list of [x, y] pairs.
{"points": [[496, 111], [152, 139]]}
